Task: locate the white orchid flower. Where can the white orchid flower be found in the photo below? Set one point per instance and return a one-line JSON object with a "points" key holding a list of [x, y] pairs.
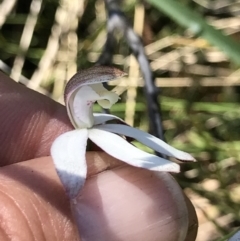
{"points": [[68, 150]]}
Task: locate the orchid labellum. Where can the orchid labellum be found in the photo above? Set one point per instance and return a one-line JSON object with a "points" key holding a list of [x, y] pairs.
{"points": [[68, 150]]}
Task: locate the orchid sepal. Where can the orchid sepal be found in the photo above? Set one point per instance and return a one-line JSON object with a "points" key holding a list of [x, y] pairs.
{"points": [[69, 157], [148, 140], [119, 148]]}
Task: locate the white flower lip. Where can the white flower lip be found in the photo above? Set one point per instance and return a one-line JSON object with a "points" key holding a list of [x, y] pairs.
{"points": [[80, 105], [68, 150]]}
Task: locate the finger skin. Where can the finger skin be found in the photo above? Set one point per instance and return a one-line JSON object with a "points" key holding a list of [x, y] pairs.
{"points": [[29, 122], [33, 204], [124, 203], [130, 203]]}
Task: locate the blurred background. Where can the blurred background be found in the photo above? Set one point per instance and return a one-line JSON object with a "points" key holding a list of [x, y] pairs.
{"points": [[193, 47]]}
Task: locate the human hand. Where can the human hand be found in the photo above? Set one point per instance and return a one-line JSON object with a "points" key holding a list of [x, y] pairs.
{"points": [[124, 203]]}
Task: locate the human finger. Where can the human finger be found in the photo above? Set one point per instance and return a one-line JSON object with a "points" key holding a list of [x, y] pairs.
{"points": [[130, 203], [121, 203], [29, 122]]}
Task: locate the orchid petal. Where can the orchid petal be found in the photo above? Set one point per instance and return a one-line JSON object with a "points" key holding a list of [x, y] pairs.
{"points": [[148, 140], [82, 107], [106, 98], [119, 148], [68, 153], [100, 118]]}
